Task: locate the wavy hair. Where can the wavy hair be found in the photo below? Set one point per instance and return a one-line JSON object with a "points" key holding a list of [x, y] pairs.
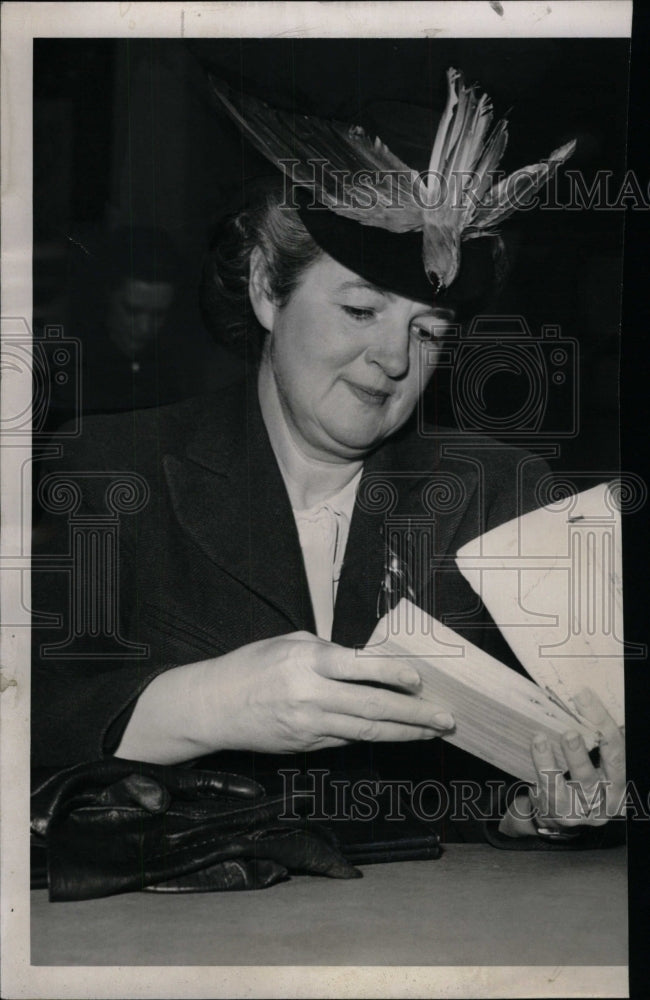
{"points": [[288, 251]]}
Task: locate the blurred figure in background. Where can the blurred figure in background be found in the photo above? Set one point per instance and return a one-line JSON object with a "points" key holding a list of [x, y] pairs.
{"points": [[142, 342], [142, 273]]}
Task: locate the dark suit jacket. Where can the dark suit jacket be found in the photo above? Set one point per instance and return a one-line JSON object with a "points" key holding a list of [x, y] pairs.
{"points": [[212, 560]]}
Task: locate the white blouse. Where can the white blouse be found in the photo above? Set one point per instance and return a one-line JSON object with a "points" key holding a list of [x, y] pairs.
{"points": [[323, 531]]}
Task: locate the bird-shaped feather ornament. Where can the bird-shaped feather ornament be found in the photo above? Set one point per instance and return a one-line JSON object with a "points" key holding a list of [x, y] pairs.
{"points": [[359, 178]]}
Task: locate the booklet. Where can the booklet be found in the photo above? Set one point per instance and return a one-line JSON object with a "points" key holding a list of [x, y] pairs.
{"points": [[496, 710], [551, 581]]}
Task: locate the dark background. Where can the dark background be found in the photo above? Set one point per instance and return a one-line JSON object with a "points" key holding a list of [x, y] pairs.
{"points": [[126, 133]]}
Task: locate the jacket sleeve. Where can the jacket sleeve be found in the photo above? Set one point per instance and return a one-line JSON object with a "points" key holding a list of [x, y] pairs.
{"points": [[85, 672], [516, 482]]}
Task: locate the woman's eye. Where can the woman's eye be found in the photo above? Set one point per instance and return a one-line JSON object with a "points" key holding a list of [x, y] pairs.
{"points": [[430, 332], [359, 313], [424, 333]]}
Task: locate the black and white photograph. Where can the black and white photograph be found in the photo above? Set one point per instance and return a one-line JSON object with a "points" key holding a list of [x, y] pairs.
{"points": [[314, 500]]}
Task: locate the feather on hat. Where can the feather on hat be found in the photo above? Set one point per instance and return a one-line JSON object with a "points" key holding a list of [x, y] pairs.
{"points": [[359, 179]]}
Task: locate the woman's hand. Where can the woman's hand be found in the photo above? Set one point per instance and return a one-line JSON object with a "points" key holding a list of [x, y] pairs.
{"points": [[282, 695], [590, 796]]}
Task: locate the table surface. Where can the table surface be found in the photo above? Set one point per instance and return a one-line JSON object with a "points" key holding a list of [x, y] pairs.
{"points": [[475, 906]]}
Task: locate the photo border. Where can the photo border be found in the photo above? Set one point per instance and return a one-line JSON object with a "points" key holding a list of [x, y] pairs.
{"points": [[21, 23]]}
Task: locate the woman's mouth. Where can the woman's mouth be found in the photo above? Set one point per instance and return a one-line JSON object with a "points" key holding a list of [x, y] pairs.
{"points": [[371, 397]]}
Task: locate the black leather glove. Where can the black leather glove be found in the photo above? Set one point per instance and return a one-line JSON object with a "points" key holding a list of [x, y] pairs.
{"points": [[116, 826]]}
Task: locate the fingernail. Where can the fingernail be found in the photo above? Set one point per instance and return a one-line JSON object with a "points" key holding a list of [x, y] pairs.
{"points": [[572, 740], [443, 720], [410, 677], [584, 697], [540, 743]]}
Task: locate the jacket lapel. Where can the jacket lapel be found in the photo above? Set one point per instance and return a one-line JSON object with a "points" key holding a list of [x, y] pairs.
{"points": [[404, 486], [229, 497]]}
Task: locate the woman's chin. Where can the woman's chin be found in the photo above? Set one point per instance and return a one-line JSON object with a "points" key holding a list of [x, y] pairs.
{"points": [[356, 441]]}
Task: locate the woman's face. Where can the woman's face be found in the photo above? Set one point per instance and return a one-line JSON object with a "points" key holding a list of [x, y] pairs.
{"points": [[348, 360]]}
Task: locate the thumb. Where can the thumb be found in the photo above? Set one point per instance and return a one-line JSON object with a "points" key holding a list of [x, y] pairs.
{"points": [[139, 790]]}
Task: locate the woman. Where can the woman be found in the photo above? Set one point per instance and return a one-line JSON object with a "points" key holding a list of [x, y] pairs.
{"points": [[259, 562]]}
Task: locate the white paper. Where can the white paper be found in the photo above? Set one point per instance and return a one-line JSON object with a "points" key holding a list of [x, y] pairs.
{"points": [[551, 581]]}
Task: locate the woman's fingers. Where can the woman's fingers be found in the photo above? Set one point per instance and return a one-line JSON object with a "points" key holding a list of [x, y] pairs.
{"points": [[550, 797], [377, 704], [612, 743], [588, 789], [591, 795], [580, 767], [582, 799], [543, 756], [348, 728], [612, 761], [592, 708], [341, 664], [319, 704]]}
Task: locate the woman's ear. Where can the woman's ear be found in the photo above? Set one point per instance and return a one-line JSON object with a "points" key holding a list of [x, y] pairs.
{"points": [[258, 291]]}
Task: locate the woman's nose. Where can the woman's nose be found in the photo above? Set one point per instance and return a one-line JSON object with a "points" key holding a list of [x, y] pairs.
{"points": [[390, 350]]}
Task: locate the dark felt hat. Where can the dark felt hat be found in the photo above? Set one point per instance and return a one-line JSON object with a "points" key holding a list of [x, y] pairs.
{"points": [[390, 260]]}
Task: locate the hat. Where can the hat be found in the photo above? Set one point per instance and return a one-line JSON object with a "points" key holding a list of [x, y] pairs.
{"points": [[415, 232]]}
